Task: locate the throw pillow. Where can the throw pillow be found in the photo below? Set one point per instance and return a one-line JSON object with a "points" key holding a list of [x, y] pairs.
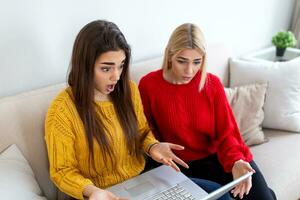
{"points": [[282, 106], [247, 106], [17, 180]]}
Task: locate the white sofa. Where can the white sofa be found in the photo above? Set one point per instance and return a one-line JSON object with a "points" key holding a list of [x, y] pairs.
{"points": [[22, 123]]}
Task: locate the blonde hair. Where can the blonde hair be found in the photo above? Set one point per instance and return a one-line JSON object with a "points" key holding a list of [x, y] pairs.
{"points": [[186, 36]]}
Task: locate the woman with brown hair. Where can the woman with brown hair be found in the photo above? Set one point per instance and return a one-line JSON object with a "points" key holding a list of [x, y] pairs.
{"points": [[95, 129]]}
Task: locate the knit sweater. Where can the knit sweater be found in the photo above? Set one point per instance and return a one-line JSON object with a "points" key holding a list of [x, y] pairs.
{"points": [[68, 147], [202, 122]]}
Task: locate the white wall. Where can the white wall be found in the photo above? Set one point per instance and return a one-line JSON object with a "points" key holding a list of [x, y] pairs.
{"points": [[36, 36]]}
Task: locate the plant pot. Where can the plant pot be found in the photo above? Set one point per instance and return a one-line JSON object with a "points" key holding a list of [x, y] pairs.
{"points": [[280, 51]]}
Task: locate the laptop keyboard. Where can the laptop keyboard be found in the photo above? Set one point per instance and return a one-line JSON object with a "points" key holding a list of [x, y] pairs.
{"points": [[177, 192]]}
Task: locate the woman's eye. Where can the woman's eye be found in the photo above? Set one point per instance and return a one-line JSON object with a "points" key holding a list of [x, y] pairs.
{"points": [[122, 66], [181, 61], [197, 63], [105, 69]]}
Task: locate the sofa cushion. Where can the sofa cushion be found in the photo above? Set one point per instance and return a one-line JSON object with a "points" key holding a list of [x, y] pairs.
{"points": [[140, 69], [282, 107], [17, 180], [247, 106], [279, 161], [22, 122]]}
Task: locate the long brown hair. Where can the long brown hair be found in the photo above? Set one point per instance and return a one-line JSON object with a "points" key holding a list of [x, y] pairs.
{"points": [[96, 38]]}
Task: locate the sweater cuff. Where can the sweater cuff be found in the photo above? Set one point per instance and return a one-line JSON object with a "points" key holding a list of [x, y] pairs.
{"points": [[149, 140], [149, 148], [79, 194]]}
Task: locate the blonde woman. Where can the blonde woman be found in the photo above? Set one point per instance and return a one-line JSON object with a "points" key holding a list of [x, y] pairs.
{"points": [[187, 106]]}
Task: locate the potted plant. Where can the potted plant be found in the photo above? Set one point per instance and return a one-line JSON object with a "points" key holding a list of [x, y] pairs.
{"points": [[282, 40]]}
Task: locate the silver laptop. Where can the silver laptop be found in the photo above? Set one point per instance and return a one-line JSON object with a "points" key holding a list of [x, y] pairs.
{"points": [[165, 183]]}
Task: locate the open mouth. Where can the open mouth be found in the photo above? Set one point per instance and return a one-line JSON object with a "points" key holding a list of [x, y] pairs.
{"points": [[110, 88]]}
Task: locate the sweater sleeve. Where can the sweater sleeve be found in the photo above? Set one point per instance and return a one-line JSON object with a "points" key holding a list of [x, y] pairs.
{"points": [[143, 126], [60, 145], [147, 106], [231, 146]]}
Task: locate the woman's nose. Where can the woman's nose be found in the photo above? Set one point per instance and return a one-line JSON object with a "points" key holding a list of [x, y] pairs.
{"points": [[115, 75], [189, 69]]}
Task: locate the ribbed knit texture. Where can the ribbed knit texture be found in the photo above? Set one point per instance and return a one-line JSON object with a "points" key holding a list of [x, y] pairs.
{"points": [[200, 121], [68, 148]]}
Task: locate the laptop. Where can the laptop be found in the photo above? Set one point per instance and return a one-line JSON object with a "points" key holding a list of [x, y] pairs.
{"points": [[164, 182]]}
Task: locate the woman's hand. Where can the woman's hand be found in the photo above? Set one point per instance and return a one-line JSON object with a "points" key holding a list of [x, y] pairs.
{"points": [[104, 195], [162, 152], [95, 193], [240, 168]]}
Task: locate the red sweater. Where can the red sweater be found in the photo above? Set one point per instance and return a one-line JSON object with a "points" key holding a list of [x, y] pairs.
{"points": [[200, 121]]}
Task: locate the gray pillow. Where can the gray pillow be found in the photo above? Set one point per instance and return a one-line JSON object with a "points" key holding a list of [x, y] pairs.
{"points": [[247, 105], [17, 180]]}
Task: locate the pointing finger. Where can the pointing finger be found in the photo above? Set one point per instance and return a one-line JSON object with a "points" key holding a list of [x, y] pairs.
{"points": [[174, 166], [180, 162], [176, 146]]}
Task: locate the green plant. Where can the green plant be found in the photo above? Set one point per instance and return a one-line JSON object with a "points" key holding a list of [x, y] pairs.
{"points": [[284, 39]]}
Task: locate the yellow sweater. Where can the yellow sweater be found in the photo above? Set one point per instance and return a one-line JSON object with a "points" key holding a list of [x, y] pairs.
{"points": [[68, 147]]}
